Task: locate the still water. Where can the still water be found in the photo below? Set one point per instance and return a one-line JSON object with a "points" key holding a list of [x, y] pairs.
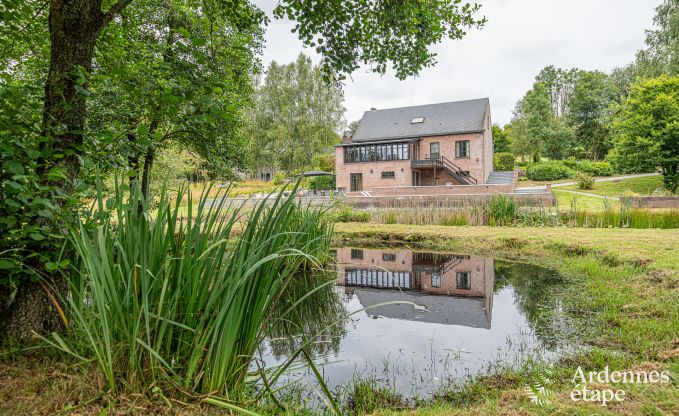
{"points": [[458, 316]]}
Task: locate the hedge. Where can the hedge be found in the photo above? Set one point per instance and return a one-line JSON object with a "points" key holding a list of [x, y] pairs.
{"points": [[548, 171]]}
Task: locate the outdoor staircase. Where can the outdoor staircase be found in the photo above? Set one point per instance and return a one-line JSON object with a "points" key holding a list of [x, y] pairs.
{"points": [[444, 163], [500, 178]]}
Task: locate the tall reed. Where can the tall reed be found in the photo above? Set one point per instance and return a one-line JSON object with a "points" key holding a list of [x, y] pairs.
{"points": [[160, 297], [503, 210]]}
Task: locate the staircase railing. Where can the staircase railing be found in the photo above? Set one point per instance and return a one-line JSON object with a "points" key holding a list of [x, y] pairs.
{"points": [[458, 170]]}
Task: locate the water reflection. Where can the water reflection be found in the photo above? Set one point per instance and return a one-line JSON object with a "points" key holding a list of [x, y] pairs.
{"points": [[464, 285], [464, 315]]}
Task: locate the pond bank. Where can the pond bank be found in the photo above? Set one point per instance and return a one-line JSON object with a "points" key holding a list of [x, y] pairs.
{"points": [[625, 282]]}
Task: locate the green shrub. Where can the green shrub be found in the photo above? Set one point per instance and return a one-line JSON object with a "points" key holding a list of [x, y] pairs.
{"points": [[321, 183], [346, 213], [279, 178], [595, 168], [584, 181], [504, 161], [548, 171]]}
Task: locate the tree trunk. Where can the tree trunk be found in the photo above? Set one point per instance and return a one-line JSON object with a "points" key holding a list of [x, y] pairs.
{"points": [[146, 177], [74, 27]]}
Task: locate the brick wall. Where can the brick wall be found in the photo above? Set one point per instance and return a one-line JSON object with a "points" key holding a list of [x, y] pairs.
{"points": [[390, 201], [653, 201], [443, 190], [372, 172], [473, 163]]}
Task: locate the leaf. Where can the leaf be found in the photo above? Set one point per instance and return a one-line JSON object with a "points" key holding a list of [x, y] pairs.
{"points": [[7, 264], [143, 130], [37, 236]]}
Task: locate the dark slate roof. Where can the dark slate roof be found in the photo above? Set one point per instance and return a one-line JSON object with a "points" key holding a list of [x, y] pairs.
{"points": [[440, 309], [439, 119]]}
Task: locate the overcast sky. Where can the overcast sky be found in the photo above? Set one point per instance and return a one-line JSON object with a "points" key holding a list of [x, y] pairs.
{"points": [[499, 61]]}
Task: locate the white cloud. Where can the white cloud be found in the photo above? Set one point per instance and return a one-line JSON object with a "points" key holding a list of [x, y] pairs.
{"points": [[501, 60]]}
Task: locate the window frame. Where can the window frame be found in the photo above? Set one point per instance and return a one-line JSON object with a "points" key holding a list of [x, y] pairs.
{"points": [[468, 280], [359, 182], [467, 145]]}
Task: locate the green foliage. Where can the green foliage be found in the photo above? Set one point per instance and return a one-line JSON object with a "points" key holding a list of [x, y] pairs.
{"points": [[157, 297], [368, 396], [661, 55], [500, 139], [279, 178], [320, 183], [500, 210], [348, 33], [345, 213], [646, 130], [548, 171], [34, 215], [589, 112], [504, 161], [594, 168], [295, 117], [584, 181]]}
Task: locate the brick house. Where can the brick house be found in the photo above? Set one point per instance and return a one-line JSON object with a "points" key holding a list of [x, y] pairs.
{"points": [[430, 149]]}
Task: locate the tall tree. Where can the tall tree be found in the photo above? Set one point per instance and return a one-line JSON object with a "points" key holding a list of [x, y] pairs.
{"points": [[500, 139], [590, 110], [536, 108], [560, 84], [646, 130], [296, 116], [661, 55]]}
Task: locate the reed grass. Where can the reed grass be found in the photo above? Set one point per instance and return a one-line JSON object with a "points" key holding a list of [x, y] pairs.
{"points": [[158, 298], [503, 210]]}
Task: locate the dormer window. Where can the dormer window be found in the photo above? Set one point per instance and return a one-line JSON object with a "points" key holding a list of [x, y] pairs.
{"points": [[417, 120]]}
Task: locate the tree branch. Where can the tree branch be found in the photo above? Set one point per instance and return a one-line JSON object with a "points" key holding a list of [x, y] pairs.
{"points": [[115, 10]]}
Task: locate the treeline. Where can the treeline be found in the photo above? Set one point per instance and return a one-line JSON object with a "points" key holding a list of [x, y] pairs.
{"points": [[295, 117], [628, 117]]}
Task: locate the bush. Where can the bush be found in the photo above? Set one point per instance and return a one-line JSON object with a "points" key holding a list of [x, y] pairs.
{"points": [[548, 171], [279, 178], [595, 168], [348, 214], [584, 181], [321, 183], [504, 161]]}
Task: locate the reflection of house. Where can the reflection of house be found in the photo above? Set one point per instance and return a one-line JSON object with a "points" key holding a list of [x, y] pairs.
{"points": [[412, 276]]}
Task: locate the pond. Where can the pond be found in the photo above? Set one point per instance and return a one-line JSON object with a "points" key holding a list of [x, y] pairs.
{"points": [[458, 316]]}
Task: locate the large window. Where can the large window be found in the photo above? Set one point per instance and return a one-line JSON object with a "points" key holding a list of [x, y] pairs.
{"points": [[462, 148], [376, 152], [356, 182]]}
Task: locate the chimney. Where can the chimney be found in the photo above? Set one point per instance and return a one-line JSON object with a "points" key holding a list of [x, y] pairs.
{"points": [[346, 137]]}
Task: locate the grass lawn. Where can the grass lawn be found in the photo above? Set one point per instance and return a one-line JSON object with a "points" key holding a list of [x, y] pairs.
{"points": [[566, 200], [635, 186]]}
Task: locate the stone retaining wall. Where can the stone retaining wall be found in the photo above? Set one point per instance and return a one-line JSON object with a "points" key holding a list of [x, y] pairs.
{"points": [[392, 201], [652, 201]]}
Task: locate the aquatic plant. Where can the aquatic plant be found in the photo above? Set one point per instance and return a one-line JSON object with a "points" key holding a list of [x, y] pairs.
{"points": [[157, 296]]}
